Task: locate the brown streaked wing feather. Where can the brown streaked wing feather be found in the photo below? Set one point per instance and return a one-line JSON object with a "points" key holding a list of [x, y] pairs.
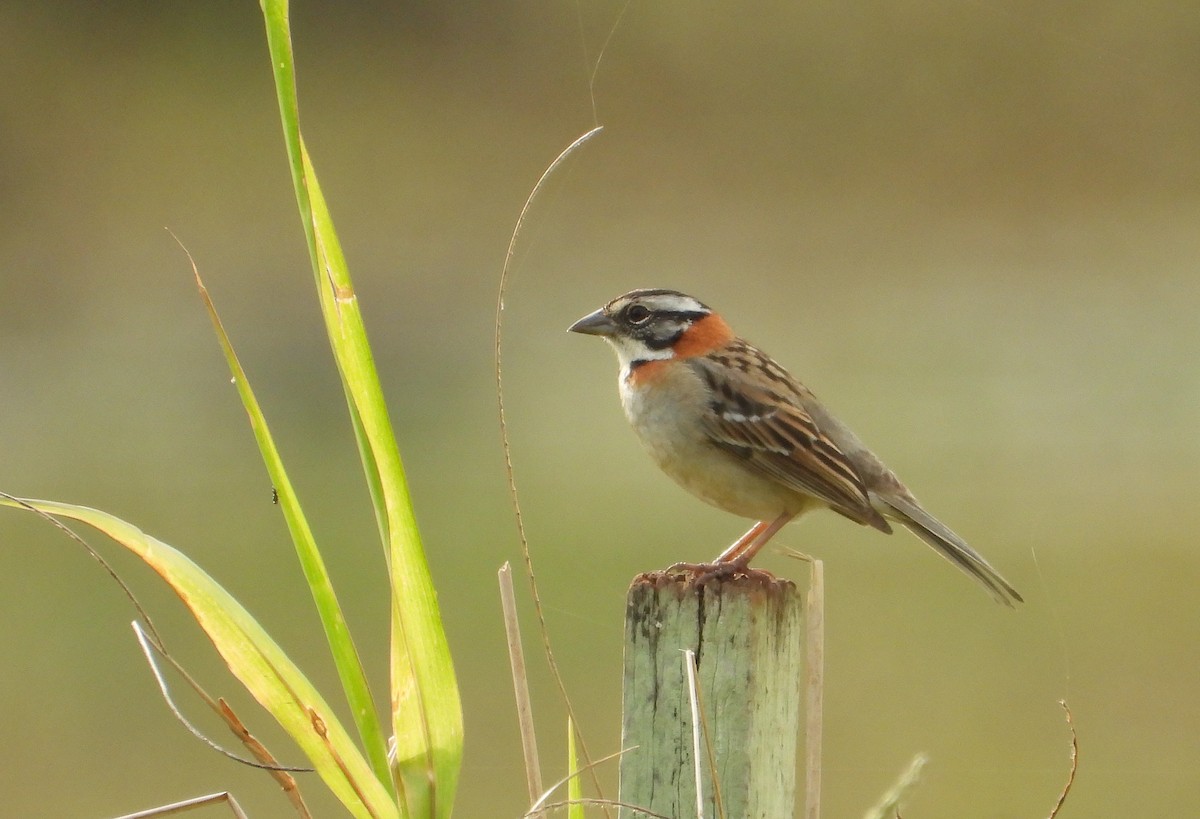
{"points": [[749, 417]]}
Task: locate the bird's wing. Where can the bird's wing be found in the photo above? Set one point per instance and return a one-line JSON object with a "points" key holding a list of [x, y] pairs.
{"points": [[754, 413]]}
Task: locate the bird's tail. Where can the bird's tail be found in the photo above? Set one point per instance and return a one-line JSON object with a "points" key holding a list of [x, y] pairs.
{"points": [[950, 546]]}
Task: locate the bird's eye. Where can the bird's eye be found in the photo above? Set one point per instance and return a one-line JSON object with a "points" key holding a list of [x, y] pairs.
{"points": [[637, 314]]}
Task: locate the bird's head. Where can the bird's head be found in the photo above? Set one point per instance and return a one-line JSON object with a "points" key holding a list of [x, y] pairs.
{"points": [[653, 325]]}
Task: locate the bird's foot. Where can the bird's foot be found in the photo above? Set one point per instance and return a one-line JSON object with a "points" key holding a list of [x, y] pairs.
{"points": [[700, 573]]}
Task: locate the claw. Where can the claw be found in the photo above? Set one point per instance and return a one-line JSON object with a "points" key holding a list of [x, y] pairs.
{"points": [[690, 568], [722, 571], [700, 573]]}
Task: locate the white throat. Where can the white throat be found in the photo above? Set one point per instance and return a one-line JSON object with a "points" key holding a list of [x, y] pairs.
{"points": [[629, 350]]}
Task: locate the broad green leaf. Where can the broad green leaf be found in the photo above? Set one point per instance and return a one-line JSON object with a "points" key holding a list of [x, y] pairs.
{"points": [[426, 711], [255, 659]]}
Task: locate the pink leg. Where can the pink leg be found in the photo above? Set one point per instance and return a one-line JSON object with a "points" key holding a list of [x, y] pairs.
{"points": [[748, 545], [738, 545], [736, 559]]}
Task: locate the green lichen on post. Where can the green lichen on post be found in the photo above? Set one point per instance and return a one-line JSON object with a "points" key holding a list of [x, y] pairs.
{"points": [[747, 634]]}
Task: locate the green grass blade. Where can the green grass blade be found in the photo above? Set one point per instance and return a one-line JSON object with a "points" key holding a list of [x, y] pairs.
{"points": [[341, 644], [427, 714], [575, 785], [255, 659], [426, 710], [279, 44]]}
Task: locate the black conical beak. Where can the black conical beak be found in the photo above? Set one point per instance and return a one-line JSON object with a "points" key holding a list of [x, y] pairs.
{"points": [[594, 324]]}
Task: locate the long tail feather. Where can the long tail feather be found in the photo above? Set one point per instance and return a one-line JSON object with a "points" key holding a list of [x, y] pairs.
{"points": [[950, 546]]}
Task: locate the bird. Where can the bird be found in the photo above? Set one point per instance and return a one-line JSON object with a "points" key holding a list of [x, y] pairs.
{"points": [[735, 429]]}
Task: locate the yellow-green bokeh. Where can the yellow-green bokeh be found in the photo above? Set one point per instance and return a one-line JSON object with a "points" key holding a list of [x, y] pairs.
{"points": [[971, 228]]}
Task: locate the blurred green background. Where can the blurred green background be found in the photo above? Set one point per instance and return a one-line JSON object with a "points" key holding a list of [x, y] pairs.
{"points": [[971, 228]]}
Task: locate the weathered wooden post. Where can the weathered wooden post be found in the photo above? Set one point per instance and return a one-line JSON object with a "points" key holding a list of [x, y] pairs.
{"points": [[747, 634]]}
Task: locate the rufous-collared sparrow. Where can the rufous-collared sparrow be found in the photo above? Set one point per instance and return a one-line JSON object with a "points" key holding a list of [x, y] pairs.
{"points": [[735, 429]]}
